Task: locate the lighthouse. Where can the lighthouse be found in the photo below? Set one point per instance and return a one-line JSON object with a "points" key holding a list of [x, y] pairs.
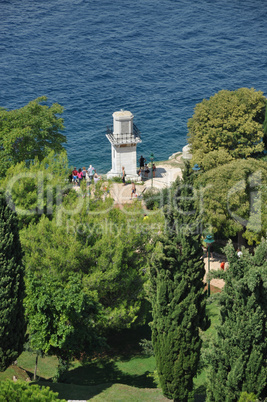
{"points": [[123, 138]]}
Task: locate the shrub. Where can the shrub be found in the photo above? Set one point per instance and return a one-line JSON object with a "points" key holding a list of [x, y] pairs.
{"points": [[245, 397], [24, 392]]}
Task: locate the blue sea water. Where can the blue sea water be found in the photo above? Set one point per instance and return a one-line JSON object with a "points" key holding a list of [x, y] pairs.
{"points": [[154, 58]]}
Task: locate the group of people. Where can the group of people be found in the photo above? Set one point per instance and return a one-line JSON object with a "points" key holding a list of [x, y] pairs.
{"points": [[89, 175], [144, 170]]}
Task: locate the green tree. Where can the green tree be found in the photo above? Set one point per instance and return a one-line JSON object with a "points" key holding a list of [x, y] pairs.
{"points": [[29, 132], [177, 296], [237, 358], [229, 120], [23, 392], [12, 323], [62, 317], [233, 198], [109, 248], [36, 188], [245, 397], [214, 159]]}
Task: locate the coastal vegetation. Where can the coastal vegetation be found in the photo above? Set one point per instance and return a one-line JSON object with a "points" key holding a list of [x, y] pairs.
{"points": [[177, 296], [237, 357], [233, 198], [229, 121], [12, 317], [30, 132], [97, 276]]}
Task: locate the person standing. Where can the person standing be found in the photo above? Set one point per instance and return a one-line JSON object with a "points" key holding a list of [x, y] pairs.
{"points": [[154, 169], [133, 189], [84, 173], [74, 175], [146, 170], [91, 171], [123, 175], [80, 176], [142, 162]]}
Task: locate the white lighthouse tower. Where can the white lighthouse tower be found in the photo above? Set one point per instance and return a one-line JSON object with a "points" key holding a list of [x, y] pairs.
{"points": [[123, 139]]}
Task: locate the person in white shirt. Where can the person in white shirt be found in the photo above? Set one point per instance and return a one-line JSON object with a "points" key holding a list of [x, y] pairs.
{"points": [[239, 252], [91, 171]]}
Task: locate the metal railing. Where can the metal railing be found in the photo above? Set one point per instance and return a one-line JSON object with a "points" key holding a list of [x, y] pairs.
{"points": [[124, 138]]}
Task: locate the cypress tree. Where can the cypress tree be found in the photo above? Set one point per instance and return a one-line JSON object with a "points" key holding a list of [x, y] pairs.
{"points": [[177, 295], [237, 358], [12, 323]]}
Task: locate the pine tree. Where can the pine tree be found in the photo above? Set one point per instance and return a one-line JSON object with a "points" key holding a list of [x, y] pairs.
{"points": [[177, 296], [12, 323], [237, 358]]}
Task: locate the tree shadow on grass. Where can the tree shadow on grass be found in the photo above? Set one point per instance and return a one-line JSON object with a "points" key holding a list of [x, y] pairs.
{"points": [[105, 371], [73, 391], [89, 380]]}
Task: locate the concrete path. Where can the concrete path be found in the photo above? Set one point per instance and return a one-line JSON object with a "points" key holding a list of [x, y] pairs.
{"points": [[164, 177]]}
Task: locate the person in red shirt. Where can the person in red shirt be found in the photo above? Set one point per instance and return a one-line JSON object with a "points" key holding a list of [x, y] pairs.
{"points": [[74, 175]]}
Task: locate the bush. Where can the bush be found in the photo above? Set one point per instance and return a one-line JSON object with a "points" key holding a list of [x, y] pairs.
{"points": [[152, 198], [245, 397], [24, 392], [117, 179], [147, 347]]}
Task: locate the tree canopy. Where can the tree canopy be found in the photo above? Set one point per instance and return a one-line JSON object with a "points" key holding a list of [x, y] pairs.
{"points": [[12, 321], [237, 356], [62, 316], [30, 132], [34, 189], [177, 296], [233, 198], [229, 120], [109, 248]]}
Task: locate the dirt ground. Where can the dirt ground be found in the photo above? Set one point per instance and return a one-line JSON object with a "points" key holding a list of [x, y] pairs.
{"points": [[214, 265], [166, 173]]}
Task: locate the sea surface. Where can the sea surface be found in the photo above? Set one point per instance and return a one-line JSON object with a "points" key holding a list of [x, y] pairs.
{"points": [[157, 59]]}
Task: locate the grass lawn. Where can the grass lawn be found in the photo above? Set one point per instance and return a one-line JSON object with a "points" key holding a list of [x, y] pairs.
{"points": [[125, 375], [46, 367]]}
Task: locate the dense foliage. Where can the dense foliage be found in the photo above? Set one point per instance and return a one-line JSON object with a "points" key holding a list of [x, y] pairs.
{"points": [[12, 322], [23, 392], [30, 132], [231, 121], [37, 188], [62, 316], [177, 296], [108, 247], [237, 358], [233, 198]]}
